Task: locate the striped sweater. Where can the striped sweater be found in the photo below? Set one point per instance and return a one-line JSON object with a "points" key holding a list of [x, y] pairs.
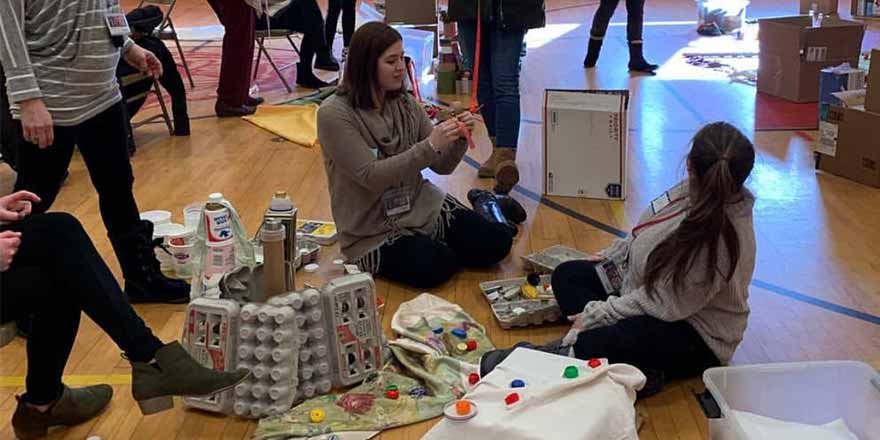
{"points": [[60, 51], [718, 312]]}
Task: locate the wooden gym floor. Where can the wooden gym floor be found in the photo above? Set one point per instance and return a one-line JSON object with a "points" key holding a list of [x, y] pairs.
{"points": [[815, 294]]}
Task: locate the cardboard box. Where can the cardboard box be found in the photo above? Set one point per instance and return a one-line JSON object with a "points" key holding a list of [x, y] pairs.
{"points": [[824, 6], [792, 53], [858, 148], [585, 142], [872, 100], [829, 130], [412, 12]]}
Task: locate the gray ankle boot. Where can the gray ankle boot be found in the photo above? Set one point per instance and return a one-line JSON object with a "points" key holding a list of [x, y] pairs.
{"points": [[176, 373], [72, 408]]}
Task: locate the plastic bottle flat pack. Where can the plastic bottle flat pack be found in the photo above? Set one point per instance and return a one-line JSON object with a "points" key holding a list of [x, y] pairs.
{"points": [[314, 375], [210, 335], [268, 346]]}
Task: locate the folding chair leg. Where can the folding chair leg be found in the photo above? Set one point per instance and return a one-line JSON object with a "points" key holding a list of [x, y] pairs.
{"points": [[183, 60], [292, 44], [277, 71], [259, 56], [165, 116]]}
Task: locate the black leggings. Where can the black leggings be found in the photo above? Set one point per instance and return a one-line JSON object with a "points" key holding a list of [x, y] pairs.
{"points": [[635, 16], [464, 239], [334, 7], [56, 275], [301, 16], [645, 342]]}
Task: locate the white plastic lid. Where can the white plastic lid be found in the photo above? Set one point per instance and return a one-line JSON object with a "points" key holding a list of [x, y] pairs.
{"points": [[157, 217], [216, 197], [168, 230], [187, 231]]}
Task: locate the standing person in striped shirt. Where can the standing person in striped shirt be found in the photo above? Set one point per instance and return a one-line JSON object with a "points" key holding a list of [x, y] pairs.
{"points": [[60, 62]]}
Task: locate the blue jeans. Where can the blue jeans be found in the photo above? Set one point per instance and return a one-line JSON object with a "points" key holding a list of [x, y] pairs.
{"points": [[498, 89]]}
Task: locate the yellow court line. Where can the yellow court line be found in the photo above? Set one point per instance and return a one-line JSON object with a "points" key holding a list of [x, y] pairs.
{"points": [[73, 379]]}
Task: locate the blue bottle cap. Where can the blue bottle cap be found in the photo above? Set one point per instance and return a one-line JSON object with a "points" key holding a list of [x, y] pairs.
{"points": [[437, 330], [459, 332], [517, 383]]}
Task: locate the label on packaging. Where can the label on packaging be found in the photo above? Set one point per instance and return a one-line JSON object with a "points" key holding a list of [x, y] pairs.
{"points": [[817, 53], [827, 138], [218, 224]]}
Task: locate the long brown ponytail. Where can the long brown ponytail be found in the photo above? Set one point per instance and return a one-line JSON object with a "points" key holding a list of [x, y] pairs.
{"points": [[720, 160]]}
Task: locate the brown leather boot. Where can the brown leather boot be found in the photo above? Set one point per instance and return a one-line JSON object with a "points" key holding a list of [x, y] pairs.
{"points": [[75, 406], [487, 168], [506, 172]]}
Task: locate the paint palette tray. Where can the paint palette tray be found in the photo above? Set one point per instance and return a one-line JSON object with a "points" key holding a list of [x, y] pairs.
{"points": [[356, 333], [547, 260], [321, 232], [512, 309]]}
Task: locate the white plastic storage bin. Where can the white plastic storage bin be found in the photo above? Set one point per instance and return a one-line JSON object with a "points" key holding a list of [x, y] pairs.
{"points": [[812, 393]]}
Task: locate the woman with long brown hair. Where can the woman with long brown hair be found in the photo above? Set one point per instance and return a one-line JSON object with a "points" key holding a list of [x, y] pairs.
{"points": [[376, 141], [682, 302]]}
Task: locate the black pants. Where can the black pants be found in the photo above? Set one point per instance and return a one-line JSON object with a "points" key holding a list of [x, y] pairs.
{"points": [[170, 80], [302, 16], [347, 8], [635, 16], [465, 240], [644, 342], [102, 143], [56, 275]]}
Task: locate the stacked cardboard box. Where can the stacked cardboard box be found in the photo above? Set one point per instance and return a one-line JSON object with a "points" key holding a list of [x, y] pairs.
{"points": [[792, 53], [857, 153]]}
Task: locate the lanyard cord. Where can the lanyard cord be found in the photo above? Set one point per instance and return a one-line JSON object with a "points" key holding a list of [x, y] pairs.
{"points": [[659, 220]]}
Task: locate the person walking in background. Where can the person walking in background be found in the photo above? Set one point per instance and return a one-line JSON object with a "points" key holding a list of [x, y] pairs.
{"points": [[635, 15]]}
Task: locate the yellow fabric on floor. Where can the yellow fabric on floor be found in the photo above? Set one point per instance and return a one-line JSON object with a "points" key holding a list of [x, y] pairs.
{"points": [[296, 123]]}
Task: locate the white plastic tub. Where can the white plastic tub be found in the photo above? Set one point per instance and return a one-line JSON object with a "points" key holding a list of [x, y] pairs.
{"points": [[813, 393]]}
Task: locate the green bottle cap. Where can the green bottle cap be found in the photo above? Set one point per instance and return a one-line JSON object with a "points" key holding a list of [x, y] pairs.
{"points": [[570, 372]]}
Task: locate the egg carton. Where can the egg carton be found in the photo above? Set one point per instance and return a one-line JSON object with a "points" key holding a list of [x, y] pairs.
{"points": [[512, 309], [547, 260], [350, 302], [269, 345], [210, 335], [307, 252]]}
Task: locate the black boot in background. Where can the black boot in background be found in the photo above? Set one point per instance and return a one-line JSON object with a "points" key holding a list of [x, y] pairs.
{"points": [[593, 52], [144, 281], [637, 61], [486, 205]]}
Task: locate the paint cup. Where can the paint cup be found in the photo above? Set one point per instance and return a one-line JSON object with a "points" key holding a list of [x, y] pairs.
{"points": [[156, 217], [181, 256], [163, 231], [192, 214]]}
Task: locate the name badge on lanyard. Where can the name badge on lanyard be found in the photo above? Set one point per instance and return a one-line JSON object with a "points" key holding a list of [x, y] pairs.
{"points": [[116, 22], [661, 202], [397, 201]]}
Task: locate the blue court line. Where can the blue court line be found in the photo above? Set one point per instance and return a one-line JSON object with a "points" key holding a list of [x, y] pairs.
{"points": [[782, 291]]}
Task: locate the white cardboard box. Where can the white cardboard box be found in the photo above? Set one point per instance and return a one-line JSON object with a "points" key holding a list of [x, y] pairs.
{"points": [[585, 143]]}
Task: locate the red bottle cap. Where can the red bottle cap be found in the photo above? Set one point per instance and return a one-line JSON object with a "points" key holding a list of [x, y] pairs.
{"points": [[471, 345], [594, 363], [511, 398], [473, 378], [392, 394]]}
